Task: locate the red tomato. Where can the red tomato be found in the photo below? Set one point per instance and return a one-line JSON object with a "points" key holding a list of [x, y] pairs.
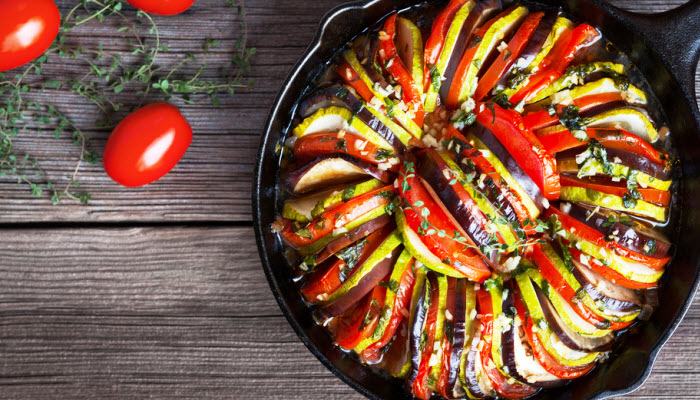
{"points": [[27, 29], [162, 7], [147, 144]]}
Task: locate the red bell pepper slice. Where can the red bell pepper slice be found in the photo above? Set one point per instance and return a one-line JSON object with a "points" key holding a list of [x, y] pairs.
{"points": [[505, 386], [446, 356], [326, 278], [390, 58], [460, 257], [504, 60], [560, 139], [651, 195], [542, 119], [556, 280], [589, 234], [547, 361], [420, 385], [468, 202], [373, 353], [525, 147], [335, 218], [359, 322], [352, 78], [465, 62], [485, 167], [436, 41], [311, 146], [612, 275], [323, 281], [556, 62]]}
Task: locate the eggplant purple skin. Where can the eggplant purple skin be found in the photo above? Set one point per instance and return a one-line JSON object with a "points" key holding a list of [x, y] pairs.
{"points": [[470, 374], [296, 175], [340, 96], [534, 44], [454, 386], [481, 13], [627, 158], [508, 339], [496, 196], [416, 330], [610, 302], [499, 151], [630, 238], [433, 175], [352, 236], [571, 339], [357, 292]]}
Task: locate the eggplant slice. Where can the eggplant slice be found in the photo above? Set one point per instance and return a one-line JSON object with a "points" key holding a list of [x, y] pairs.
{"points": [[567, 335], [613, 296], [332, 169]]}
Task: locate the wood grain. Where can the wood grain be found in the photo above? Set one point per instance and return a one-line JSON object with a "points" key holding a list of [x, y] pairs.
{"points": [[183, 311], [216, 173], [125, 313]]}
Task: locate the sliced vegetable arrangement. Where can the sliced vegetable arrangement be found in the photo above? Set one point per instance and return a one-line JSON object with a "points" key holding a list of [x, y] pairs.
{"points": [[473, 203]]}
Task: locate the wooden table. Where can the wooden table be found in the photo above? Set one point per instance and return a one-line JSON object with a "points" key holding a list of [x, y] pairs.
{"points": [[158, 291]]}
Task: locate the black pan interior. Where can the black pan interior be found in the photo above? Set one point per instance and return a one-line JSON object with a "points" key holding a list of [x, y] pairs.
{"points": [[631, 363]]}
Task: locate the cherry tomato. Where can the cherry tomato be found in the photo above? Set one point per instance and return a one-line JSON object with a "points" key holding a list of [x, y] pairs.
{"points": [[162, 7], [27, 29], [147, 144]]}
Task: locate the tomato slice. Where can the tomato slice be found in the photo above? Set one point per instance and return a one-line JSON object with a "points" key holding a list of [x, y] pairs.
{"points": [[326, 279], [547, 361], [461, 258], [447, 340], [436, 41], [468, 205], [503, 62], [556, 280], [420, 385], [556, 62], [505, 386], [373, 353], [560, 139], [465, 62], [523, 145], [390, 57], [542, 119], [589, 234], [352, 78], [311, 146], [336, 217], [605, 185], [323, 281], [359, 322], [611, 274], [485, 167]]}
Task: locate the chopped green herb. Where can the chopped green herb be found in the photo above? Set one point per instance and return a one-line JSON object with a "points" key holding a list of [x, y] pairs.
{"points": [[348, 193], [435, 77], [341, 145], [475, 41], [629, 201], [383, 154], [390, 107]]}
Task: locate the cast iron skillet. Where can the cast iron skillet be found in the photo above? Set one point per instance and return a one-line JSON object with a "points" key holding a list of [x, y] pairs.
{"points": [[665, 48]]}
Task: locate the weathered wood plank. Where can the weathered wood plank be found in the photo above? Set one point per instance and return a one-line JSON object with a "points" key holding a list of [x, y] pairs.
{"points": [[178, 313], [216, 173]]}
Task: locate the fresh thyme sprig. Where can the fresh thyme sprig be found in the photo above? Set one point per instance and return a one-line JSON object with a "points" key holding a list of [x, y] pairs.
{"points": [[23, 97], [427, 228]]}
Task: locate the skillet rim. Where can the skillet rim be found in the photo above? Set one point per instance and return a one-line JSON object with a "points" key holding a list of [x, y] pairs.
{"points": [[621, 16]]}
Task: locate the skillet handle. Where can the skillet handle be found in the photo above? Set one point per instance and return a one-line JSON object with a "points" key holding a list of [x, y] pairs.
{"points": [[675, 35]]}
